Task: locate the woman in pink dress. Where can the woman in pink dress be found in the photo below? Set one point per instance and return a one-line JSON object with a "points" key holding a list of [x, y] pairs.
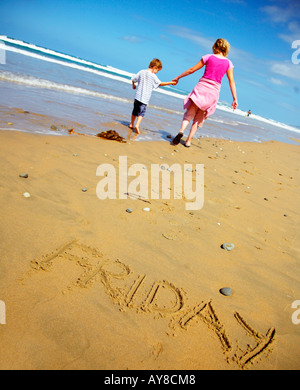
{"points": [[202, 101]]}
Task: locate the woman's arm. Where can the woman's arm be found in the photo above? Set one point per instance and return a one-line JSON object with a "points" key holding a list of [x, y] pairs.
{"points": [[191, 70], [229, 74]]}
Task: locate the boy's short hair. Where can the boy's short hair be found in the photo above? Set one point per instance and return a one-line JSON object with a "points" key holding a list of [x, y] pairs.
{"points": [[221, 46], [155, 62]]}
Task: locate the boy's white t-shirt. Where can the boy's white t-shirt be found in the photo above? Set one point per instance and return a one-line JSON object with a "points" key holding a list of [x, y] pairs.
{"points": [[147, 81]]}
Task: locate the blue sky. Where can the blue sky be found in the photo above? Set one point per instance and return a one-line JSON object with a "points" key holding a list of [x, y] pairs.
{"points": [[128, 34]]}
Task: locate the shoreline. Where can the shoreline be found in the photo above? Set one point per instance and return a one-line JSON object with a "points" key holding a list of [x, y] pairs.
{"points": [[132, 136], [37, 121], [88, 285]]}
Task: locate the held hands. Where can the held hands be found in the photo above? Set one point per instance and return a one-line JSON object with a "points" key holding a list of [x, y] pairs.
{"points": [[175, 81]]}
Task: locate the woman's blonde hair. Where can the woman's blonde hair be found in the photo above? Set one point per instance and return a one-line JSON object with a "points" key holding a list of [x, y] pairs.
{"points": [[221, 46]]}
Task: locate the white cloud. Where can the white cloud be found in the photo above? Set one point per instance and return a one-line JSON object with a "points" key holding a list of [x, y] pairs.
{"points": [[131, 38], [192, 36], [282, 11], [287, 16], [278, 14], [288, 70], [293, 34], [206, 43], [277, 81]]}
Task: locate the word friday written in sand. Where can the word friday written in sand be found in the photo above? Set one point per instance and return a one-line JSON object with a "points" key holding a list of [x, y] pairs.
{"points": [[164, 299]]}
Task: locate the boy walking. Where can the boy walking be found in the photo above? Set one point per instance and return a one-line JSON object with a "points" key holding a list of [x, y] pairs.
{"points": [[146, 81]]}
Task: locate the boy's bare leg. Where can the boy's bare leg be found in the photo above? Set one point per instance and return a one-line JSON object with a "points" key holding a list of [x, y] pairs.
{"points": [[133, 118], [138, 122]]}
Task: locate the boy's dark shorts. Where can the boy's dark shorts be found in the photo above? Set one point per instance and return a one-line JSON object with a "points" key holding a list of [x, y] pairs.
{"points": [[139, 108]]}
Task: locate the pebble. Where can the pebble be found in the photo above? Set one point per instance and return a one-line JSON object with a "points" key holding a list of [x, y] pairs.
{"points": [[25, 175], [128, 210], [26, 194], [226, 291], [84, 189], [228, 246], [146, 209]]}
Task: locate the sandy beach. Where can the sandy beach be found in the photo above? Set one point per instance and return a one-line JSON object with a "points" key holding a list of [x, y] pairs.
{"points": [[88, 285]]}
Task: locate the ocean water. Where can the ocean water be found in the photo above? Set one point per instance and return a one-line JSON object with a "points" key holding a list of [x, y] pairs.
{"points": [[48, 92]]}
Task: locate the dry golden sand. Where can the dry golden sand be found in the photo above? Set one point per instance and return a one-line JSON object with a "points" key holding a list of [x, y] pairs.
{"points": [[88, 286]]}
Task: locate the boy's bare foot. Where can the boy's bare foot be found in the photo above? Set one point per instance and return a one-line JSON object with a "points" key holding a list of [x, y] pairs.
{"points": [[137, 130], [131, 127]]}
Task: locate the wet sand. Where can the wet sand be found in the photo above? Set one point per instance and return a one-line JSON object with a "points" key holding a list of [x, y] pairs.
{"points": [[87, 285]]}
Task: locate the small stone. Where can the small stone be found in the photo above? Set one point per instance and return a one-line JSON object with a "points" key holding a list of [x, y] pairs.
{"points": [[53, 127], [227, 246], [26, 195], [25, 175], [146, 209], [169, 236], [84, 189], [226, 291], [285, 215], [266, 199], [75, 154], [128, 210]]}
